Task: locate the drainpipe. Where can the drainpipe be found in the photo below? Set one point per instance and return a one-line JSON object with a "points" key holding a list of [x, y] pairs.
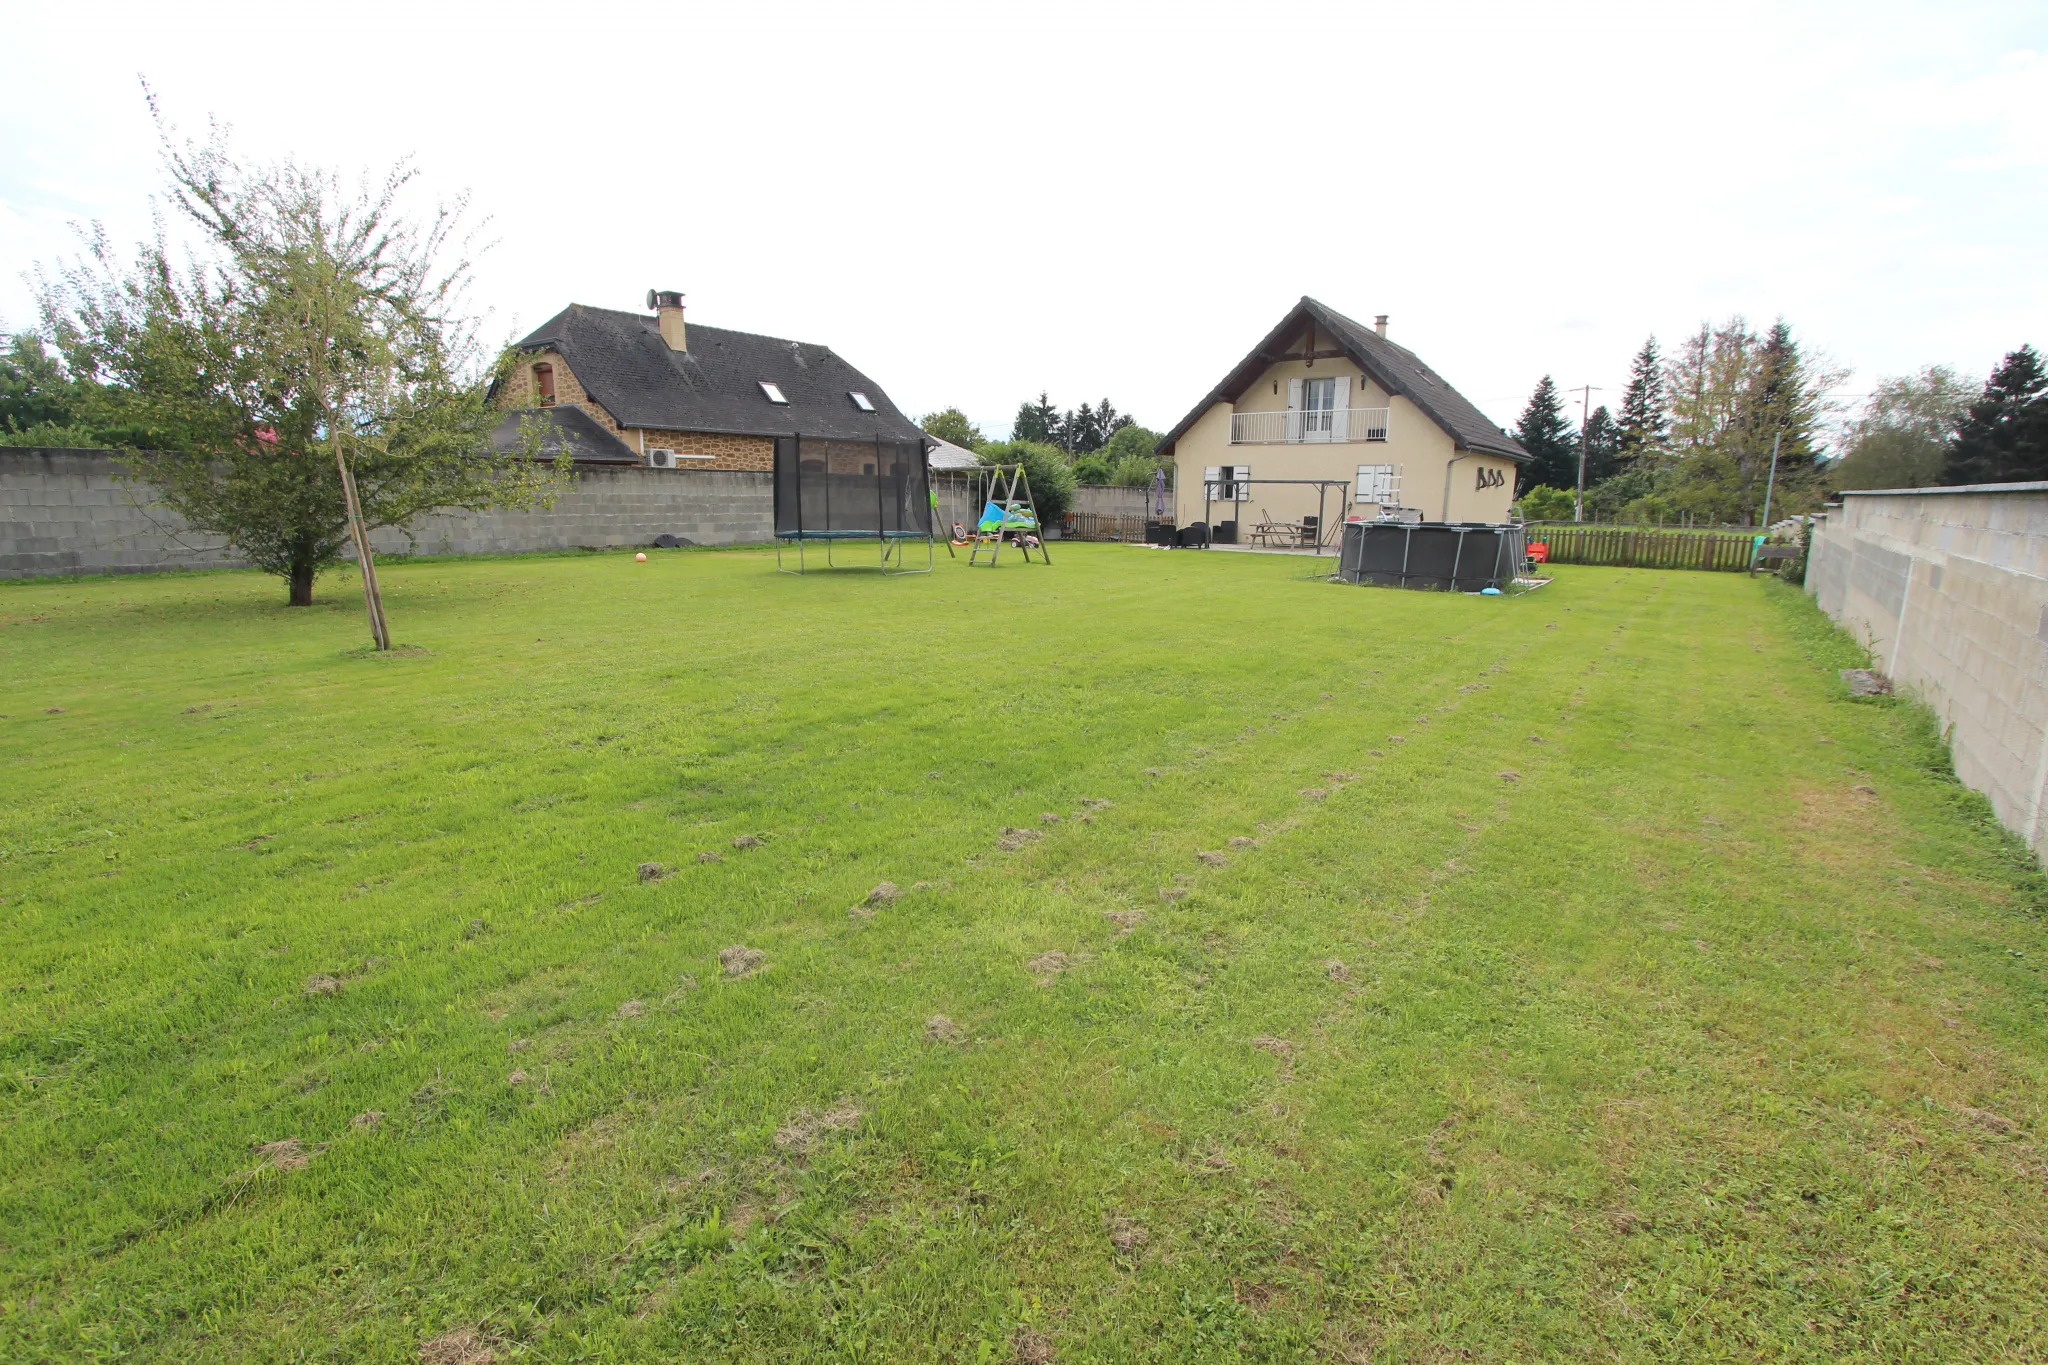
{"points": [[1446, 514]]}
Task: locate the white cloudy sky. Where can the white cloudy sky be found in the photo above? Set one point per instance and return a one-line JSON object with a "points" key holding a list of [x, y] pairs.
{"points": [[975, 201]]}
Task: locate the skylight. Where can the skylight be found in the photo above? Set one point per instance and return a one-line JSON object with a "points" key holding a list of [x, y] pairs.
{"points": [[774, 392], [860, 400]]}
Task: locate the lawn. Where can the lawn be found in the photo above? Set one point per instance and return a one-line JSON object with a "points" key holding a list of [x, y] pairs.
{"points": [[1277, 971]]}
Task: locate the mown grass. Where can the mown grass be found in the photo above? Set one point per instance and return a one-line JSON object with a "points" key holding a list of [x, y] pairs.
{"points": [[1601, 980]]}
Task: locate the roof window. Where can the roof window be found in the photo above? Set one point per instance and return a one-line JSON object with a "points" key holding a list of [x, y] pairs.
{"points": [[860, 400], [774, 392]]}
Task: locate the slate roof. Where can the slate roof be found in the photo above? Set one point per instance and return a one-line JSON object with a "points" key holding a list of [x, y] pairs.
{"points": [[1394, 368], [715, 386], [588, 443]]}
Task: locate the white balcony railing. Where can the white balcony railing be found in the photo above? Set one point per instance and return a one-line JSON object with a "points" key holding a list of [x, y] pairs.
{"points": [[1304, 426]]}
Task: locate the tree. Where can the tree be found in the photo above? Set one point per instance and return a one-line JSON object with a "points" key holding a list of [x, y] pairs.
{"points": [[1543, 503], [307, 373], [1092, 468], [1038, 422], [1133, 455], [1644, 425], [1734, 395], [34, 390], [1602, 440], [1051, 477], [1901, 438], [2004, 436], [1546, 433], [951, 424]]}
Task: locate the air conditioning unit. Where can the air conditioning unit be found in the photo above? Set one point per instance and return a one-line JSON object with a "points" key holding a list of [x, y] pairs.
{"points": [[661, 458]]}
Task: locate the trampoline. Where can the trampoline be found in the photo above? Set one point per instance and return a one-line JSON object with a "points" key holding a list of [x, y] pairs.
{"points": [[839, 491]]}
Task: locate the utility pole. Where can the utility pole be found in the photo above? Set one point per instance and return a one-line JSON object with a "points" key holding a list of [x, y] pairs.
{"points": [[1586, 392]]}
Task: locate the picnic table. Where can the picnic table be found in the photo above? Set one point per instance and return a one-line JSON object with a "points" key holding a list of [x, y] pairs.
{"points": [[1284, 532]]}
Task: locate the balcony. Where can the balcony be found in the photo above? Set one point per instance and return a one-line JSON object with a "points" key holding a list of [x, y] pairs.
{"points": [[1308, 426]]}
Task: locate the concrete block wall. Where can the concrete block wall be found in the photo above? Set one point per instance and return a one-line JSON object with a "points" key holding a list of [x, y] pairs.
{"points": [[74, 512], [71, 512], [1948, 588]]}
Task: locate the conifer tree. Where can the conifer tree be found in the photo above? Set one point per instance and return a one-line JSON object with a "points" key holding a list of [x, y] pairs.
{"points": [[2004, 439], [1645, 408], [1546, 433], [1038, 421], [1603, 447]]}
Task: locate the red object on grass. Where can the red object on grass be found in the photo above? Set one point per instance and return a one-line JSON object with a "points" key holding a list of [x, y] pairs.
{"points": [[1539, 552]]}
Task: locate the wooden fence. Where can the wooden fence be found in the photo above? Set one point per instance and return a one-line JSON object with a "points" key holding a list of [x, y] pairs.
{"points": [[1642, 549], [1103, 526]]}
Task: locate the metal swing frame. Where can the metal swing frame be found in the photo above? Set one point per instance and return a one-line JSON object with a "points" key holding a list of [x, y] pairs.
{"points": [[994, 543]]}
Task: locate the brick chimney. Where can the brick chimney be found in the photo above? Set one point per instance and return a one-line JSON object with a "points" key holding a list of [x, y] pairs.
{"points": [[668, 306], [1379, 324]]}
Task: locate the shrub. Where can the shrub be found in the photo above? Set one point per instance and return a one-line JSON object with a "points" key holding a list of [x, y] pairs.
{"points": [[1052, 478], [1543, 503]]}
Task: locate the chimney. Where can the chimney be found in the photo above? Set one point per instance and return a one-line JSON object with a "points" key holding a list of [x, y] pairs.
{"points": [[1379, 324], [668, 304]]}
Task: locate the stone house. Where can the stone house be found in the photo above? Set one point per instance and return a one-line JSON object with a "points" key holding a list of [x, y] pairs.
{"points": [[1322, 397], [644, 388]]}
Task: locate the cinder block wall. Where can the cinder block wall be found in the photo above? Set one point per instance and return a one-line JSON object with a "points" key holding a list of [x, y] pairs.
{"points": [[67, 512], [71, 512], [1948, 587]]}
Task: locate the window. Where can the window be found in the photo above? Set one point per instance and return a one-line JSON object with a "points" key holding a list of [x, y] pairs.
{"points": [[1228, 483], [860, 400], [1376, 484], [544, 383], [773, 391]]}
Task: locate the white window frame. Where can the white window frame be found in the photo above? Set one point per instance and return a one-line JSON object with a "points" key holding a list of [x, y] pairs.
{"points": [[1234, 477], [774, 392], [860, 400]]}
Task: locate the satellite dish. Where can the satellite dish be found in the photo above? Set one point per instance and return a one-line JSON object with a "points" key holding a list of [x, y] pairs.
{"points": [[650, 300]]}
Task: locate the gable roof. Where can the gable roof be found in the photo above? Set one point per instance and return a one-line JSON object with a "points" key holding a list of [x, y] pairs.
{"points": [[566, 427], [715, 386], [1394, 368], [945, 455]]}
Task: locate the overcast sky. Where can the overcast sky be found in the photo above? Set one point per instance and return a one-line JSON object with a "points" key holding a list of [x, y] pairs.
{"points": [[972, 202]]}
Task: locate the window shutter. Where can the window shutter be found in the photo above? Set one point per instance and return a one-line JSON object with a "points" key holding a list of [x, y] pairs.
{"points": [[1211, 477], [1340, 415], [1294, 410], [1242, 476]]}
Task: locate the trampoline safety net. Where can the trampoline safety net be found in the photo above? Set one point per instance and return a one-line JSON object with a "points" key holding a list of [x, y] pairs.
{"points": [[851, 490]]}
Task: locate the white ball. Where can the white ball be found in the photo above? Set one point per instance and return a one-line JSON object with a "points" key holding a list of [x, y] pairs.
{"points": [[641, 557]]}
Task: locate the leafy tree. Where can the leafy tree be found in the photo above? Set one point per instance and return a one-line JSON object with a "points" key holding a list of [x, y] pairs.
{"points": [[1901, 438], [307, 372], [1045, 465], [2004, 437], [1037, 422], [951, 424], [1543, 503], [1733, 394], [1092, 468], [1130, 439], [1546, 433], [34, 390], [1644, 425]]}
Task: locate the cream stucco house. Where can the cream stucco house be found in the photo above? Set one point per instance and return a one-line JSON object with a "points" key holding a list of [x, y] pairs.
{"points": [[1325, 398]]}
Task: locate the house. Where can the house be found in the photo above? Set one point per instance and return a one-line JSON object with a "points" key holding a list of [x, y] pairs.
{"points": [[945, 455], [644, 388], [1322, 397]]}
